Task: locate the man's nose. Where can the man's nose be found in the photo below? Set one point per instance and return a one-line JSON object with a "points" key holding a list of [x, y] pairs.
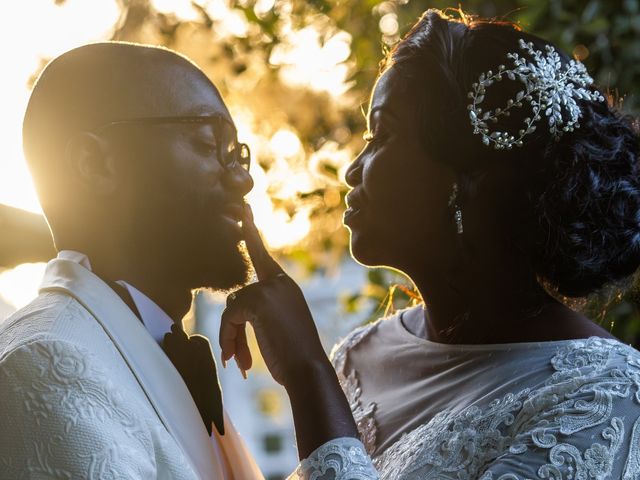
{"points": [[240, 180]]}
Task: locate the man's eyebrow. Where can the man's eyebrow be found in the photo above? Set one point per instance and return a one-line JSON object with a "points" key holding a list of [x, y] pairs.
{"points": [[204, 110], [201, 112]]}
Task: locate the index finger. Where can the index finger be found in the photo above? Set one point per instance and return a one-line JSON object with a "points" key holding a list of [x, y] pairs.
{"points": [[263, 263]]}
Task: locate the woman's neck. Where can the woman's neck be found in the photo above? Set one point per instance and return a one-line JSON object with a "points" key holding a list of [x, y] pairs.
{"points": [[494, 311]]}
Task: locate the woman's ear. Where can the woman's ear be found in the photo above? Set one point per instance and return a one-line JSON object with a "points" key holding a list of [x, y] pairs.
{"points": [[91, 163]]}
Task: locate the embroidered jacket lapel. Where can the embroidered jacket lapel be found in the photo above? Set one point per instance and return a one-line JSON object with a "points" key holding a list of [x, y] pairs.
{"points": [[162, 384]]}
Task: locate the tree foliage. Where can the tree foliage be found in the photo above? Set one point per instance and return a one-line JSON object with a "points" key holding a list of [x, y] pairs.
{"points": [[251, 50]]}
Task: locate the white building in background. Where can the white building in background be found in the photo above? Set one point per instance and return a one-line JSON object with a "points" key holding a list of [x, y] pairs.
{"points": [[258, 406]]}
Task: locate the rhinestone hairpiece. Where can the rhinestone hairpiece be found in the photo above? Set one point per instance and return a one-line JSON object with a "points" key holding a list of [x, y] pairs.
{"points": [[549, 88]]}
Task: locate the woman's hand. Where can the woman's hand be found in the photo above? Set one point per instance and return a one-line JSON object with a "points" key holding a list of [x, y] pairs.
{"points": [[290, 346], [276, 308]]}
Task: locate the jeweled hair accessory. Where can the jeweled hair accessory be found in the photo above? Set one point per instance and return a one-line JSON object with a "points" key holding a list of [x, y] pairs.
{"points": [[549, 88]]}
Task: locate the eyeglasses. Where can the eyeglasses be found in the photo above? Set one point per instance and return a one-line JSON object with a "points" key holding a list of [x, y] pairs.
{"points": [[230, 152]]}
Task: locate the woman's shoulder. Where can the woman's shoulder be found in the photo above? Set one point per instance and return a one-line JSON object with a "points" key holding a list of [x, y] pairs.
{"points": [[341, 349], [383, 328]]}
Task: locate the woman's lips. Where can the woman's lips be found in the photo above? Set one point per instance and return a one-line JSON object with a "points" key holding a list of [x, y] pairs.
{"points": [[350, 215], [354, 200], [353, 210]]}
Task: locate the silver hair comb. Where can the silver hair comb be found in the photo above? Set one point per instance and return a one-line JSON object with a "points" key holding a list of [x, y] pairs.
{"points": [[550, 89]]}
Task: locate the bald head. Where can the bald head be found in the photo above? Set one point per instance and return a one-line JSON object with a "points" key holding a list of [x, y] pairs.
{"points": [[99, 83]]}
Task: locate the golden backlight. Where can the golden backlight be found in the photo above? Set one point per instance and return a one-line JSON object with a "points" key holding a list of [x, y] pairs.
{"points": [[37, 30], [33, 32]]}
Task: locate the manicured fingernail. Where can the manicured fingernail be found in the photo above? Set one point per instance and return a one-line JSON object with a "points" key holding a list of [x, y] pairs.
{"points": [[224, 362], [242, 370]]}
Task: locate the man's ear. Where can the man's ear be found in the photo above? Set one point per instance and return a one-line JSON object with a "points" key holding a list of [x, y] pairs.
{"points": [[90, 160]]}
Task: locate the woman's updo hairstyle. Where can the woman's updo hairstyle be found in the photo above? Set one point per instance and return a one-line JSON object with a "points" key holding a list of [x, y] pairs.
{"points": [[573, 203]]}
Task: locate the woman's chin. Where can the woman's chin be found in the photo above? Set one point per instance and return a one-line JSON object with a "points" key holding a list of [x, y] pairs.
{"points": [[364, 251]]}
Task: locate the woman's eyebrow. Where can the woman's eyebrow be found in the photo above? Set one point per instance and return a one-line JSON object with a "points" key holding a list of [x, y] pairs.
{"points": [[382, 108]]}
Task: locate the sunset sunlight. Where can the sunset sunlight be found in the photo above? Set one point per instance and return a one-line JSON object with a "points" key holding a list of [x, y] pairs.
{"points": [[33, 39], [37, 31], [311, 57], [432, 251]]}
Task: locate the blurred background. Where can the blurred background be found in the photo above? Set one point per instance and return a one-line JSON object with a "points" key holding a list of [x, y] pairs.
{"points": [[296, 76]]}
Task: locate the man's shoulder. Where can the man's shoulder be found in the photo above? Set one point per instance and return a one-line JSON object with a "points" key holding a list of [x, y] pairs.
{"points": [[56, 339], [51, 315]]}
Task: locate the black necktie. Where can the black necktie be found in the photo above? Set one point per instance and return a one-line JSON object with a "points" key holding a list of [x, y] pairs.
{"points": [[192, 357]]}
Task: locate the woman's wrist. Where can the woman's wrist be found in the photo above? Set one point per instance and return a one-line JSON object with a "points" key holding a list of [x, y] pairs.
{"points": [[307, 375], [320, 410]]}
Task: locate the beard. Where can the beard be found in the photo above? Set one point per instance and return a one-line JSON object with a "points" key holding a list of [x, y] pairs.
{"points": [[204, 249], [225, 265], [231, 271]]}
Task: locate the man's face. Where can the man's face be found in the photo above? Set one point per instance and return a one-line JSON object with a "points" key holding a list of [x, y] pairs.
{"points": [[184, 203]]}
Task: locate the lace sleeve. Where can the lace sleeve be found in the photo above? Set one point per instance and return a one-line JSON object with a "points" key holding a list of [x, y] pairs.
{"points": [[61, 417], [338, 459]]}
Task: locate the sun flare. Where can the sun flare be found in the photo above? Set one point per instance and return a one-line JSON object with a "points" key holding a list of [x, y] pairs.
{"points": [[310, 57], [30, 40], [19, 285]]}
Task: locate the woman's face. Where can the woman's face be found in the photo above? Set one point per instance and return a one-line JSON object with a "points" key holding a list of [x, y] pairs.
{"points": [[397, 211]]}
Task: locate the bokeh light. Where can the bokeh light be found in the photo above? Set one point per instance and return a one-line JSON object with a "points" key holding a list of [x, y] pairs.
{"points": [[285, 143], [19, 285], [389, 24], [309, 60]]}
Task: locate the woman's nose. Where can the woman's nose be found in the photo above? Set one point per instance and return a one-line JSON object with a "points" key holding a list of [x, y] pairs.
{"points": [[353, 175]]}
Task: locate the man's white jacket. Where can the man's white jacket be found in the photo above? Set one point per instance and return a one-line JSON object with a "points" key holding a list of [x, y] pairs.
{"points": [[85, 392]]}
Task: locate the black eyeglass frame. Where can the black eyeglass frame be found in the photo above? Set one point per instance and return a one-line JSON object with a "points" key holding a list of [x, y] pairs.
{"points": [[243, 157]]}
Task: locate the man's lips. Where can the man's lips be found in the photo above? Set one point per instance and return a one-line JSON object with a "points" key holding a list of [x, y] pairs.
{"points": [[232, 215], [233, 211]]}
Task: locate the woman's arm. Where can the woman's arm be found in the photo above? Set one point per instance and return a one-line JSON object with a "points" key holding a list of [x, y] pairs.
{"points": [[289, 342]]}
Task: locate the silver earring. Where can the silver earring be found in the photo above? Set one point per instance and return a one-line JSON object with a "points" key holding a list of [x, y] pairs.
{"points": [[457, 215]]}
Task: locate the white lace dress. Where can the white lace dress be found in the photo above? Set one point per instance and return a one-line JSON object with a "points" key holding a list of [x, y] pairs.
{"points": [[562, 410]]}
